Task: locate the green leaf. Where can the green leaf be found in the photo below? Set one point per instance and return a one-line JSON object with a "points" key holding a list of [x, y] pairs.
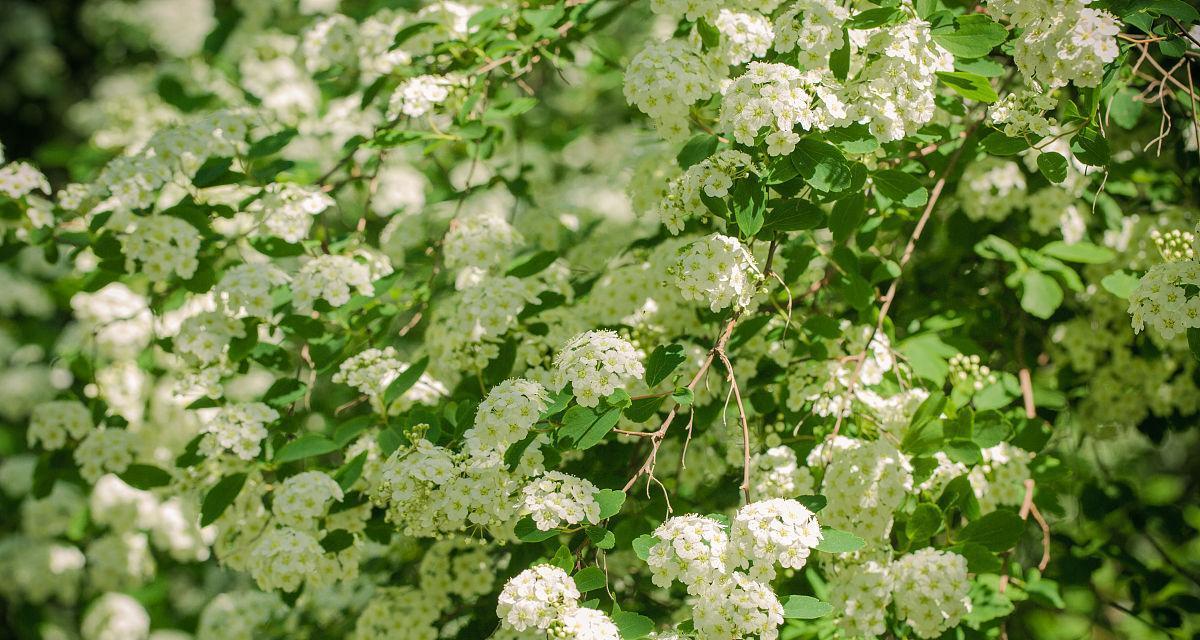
{"points": [[793, 215], [748, 206], [306, 446], [997, 531], [900, 187], [219, 497], [642, 544], [1000, 144], [1193, 338], [404, 381], [822, 165], [997, 248], [979, 559], [272, 143], [969, 85], [1084, 252], [1040, 294], [583, 428], [847, 215], [1089, 147], [144, 476], [632, 625], [215, 172], [284, 392], [531, 264], [563, 559], [276, 247], [589, 579], [351, 472], [409, 31], [683, 396], [662, 361], [527, 531], [601, 537], [814, 503], [710, 37], [643, 409], [835, 541], [1053, 165], [872, 18], [805, 608], [975, 37], [337, 540], [1120, 283], [700, 147], [610, 501], [924, 522]]}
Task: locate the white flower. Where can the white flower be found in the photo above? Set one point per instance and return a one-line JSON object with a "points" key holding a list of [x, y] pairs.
{"points": [[596, 364], [536, 597], [718, 270]]}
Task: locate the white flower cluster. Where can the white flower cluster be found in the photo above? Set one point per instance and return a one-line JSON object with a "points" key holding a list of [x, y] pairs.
{"points": [[582, 623], [238, 428], [51, 423], [19, 179], [287, 210], [744, 35], [304, 498], [536, 598], [558, 499], [864, 483], [418, 96], [1053, 209], [163, 245], [371, 371], [117, 561], [284, 559], [483, 240], [115, 616], [206, 336], [991, 189], [700, 553], [1176, 245], [779, 97], [774, 531], [813, 28], [245, 289], [970, 371], [104, 451], [239, 615], [894, 91], [505, 417], [718, 270], [330, 278], [690, 549], [428, 489], [931, 590], [595, 364], [665, 79], [465, 329], [713, 177], [1061, 42], [735, 606], [1019, 114], [861, 593], [331, 42], [777, 474], [1160, 299], [1000, 479]]}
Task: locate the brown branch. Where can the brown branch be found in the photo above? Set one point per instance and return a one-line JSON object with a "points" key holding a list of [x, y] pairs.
{"points": [[737, 394]]}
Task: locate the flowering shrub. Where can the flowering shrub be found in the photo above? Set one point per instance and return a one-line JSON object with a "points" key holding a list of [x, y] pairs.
{"points": [[600, 320]]}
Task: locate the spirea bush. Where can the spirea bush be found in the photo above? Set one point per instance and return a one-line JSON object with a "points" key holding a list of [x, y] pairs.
{"points": [[600, 320]]}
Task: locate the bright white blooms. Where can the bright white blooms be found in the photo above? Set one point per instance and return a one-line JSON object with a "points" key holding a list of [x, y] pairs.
{"points": [[238, 428], [505, 417], [780, 97], [931, 591], [774, 531], [595, 364], [718, 270], [664, 79], [160, 246], [712, 177], [536, 597], [1161, 301], [691, 549], [287, 210], [558, 499], [864, 484], [115, 616], [332, 279], [303, 498], [53, 422]]}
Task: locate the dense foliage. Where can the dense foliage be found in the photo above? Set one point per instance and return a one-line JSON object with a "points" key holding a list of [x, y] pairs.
{"points": [[600, 319]]}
